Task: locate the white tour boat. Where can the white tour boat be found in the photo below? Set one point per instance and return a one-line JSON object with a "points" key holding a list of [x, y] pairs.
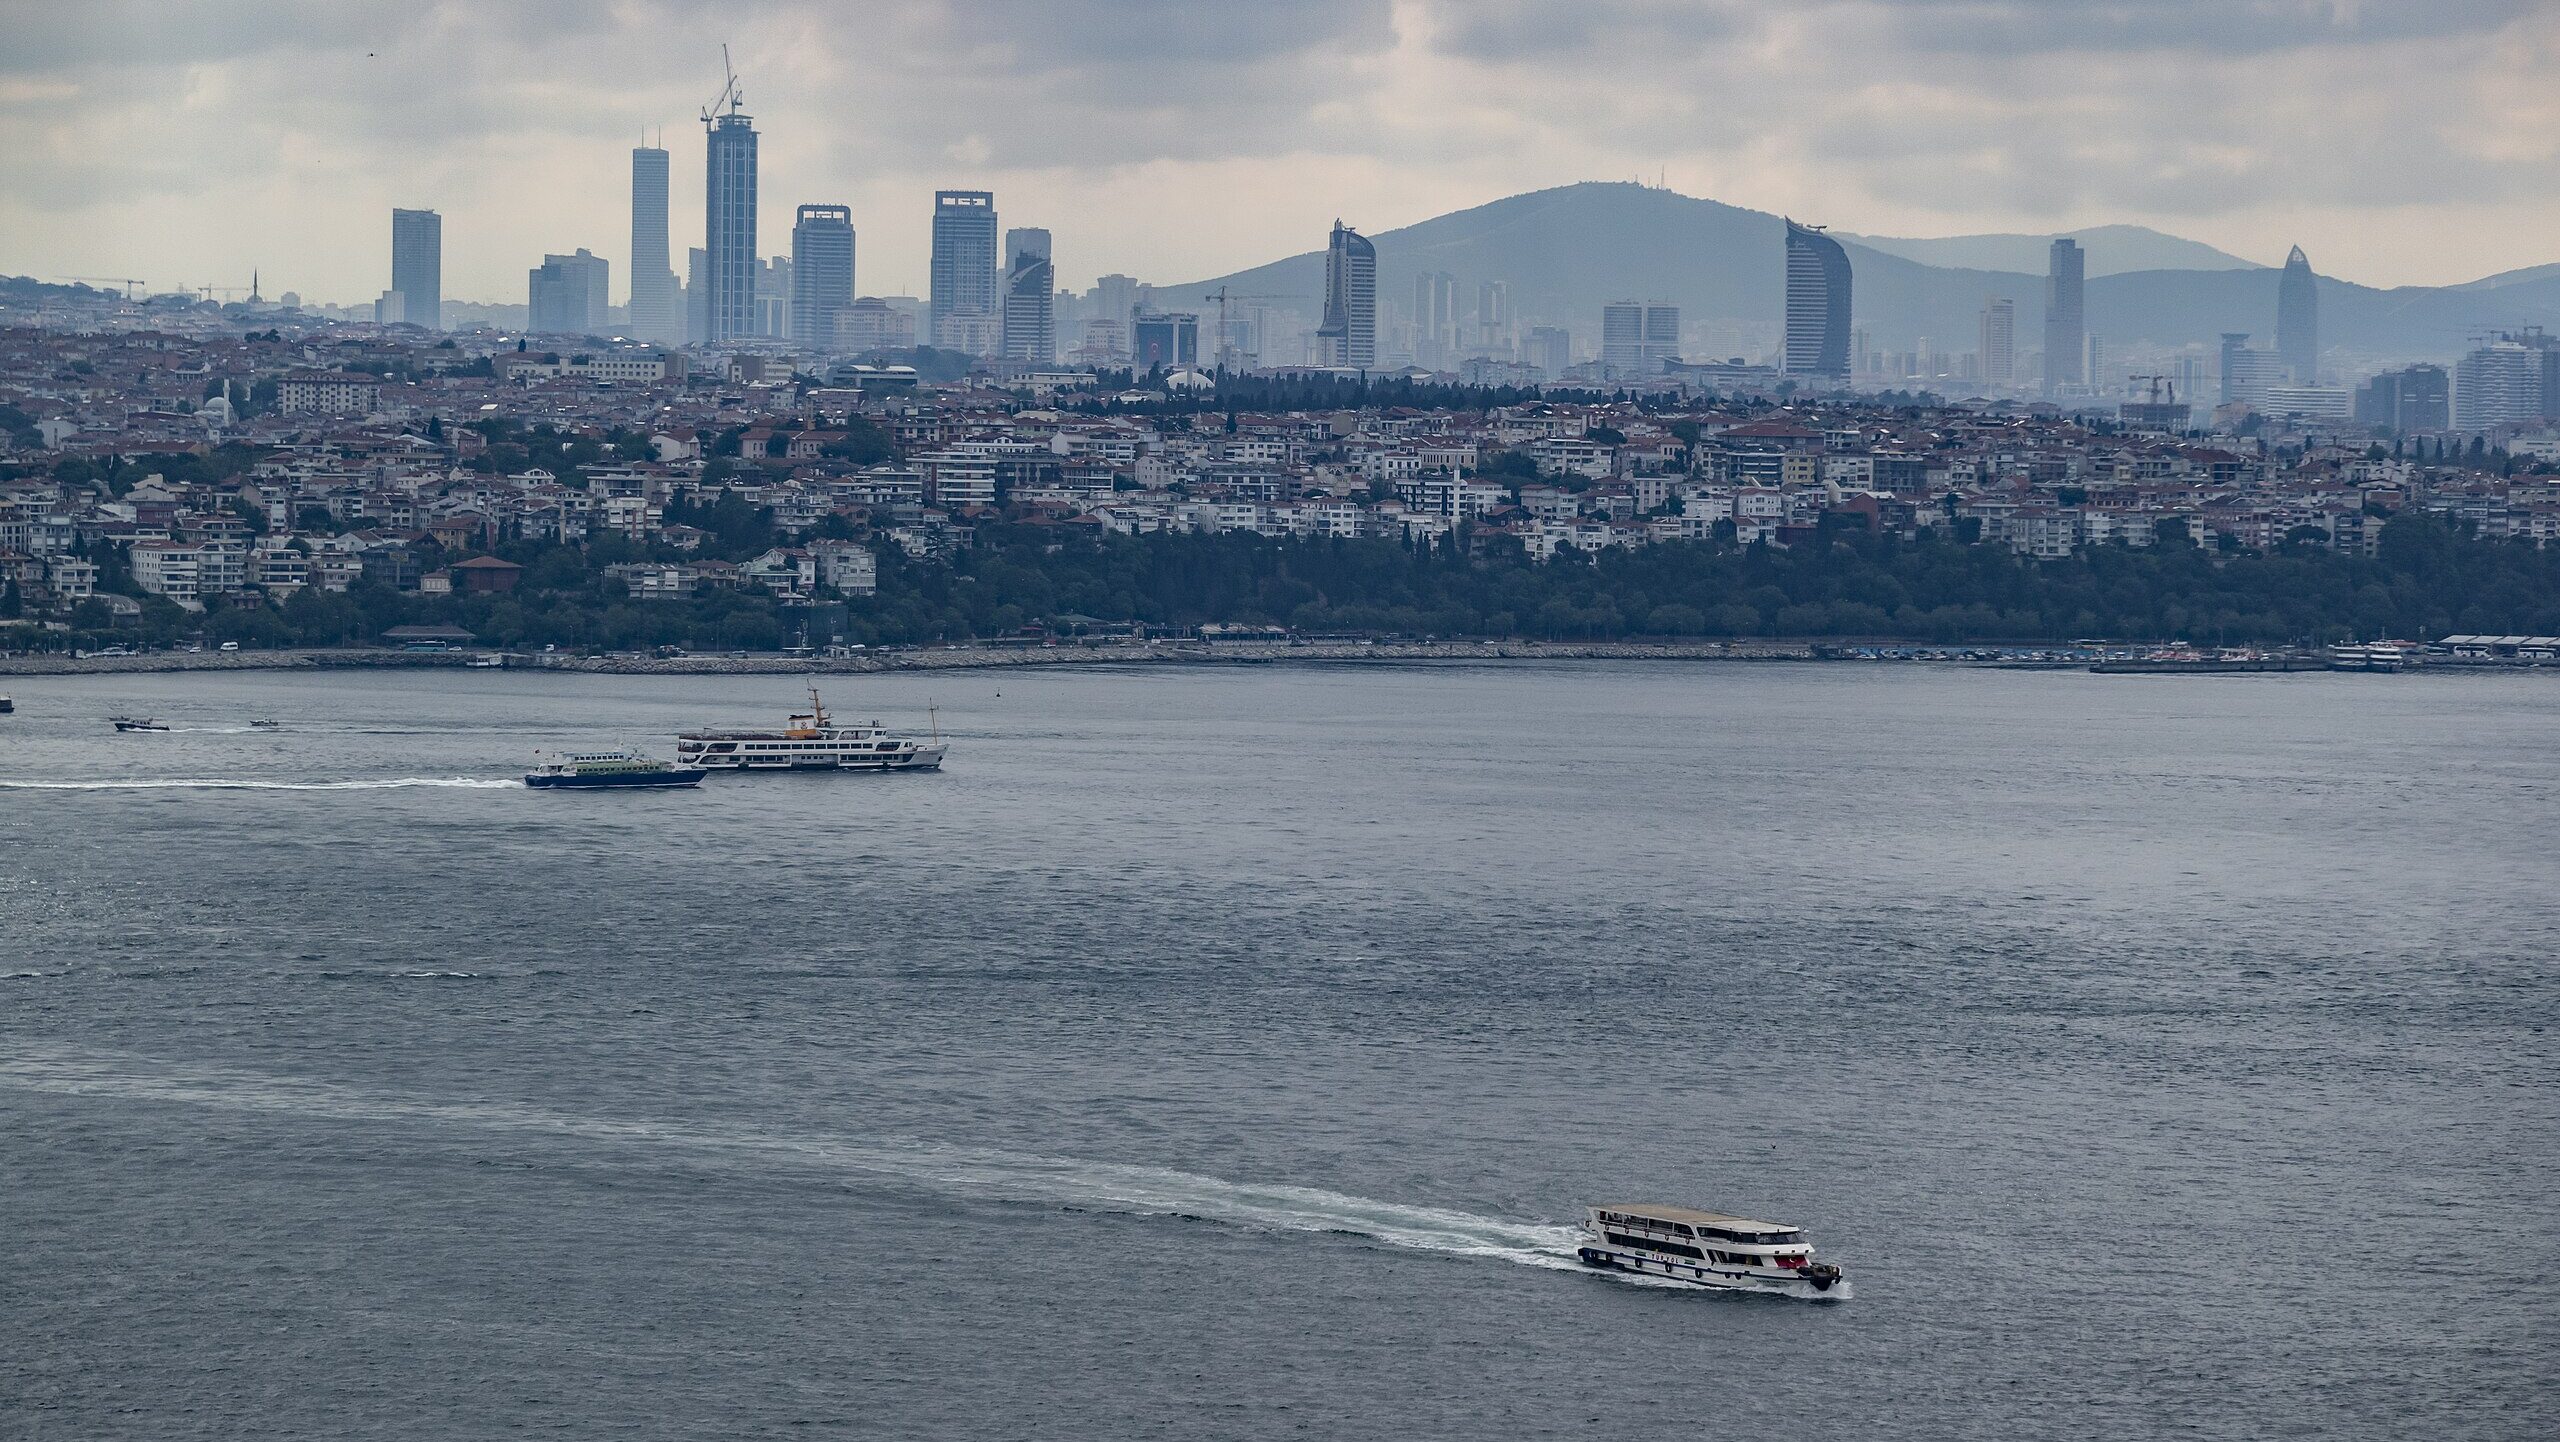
{"points": [[811, 742], [1708, 1249]]}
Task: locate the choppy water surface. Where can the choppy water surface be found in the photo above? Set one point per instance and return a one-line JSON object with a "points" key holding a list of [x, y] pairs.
{"points": [[1222, 1054]]}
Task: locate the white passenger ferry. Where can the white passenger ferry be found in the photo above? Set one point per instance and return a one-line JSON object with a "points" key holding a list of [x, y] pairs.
{"points": [[811, 742], [1708, 1249]]}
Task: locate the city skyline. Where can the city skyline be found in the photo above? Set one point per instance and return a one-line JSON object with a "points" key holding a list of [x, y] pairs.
{"points": [[531, 163]]}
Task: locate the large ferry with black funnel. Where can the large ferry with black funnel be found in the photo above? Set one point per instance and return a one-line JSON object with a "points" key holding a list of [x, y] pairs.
{"points": [[1708, 1249], [611, 768], [810, 741]]}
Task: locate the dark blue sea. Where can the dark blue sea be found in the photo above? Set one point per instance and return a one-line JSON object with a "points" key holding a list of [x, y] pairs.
{"points": [[1221, 1053]]}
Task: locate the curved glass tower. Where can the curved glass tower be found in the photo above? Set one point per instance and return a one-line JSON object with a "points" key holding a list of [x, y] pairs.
{"points": [[2298, 319], [1349, 334], [1817, 304]]}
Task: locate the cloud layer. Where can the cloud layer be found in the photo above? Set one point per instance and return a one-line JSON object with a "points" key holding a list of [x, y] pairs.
{"points": [[2399, 143]]}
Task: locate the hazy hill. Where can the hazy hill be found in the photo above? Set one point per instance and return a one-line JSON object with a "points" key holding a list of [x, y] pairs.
{"points": [[2112, 250], [1570, 250]]}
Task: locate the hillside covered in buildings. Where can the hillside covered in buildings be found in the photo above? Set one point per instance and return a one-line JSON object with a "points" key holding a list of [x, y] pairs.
{"points": [[329, 488]]}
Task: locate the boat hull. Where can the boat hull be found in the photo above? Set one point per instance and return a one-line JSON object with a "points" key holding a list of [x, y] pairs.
{"points": [[1722, 1279], [927, 758], [653, 780]]}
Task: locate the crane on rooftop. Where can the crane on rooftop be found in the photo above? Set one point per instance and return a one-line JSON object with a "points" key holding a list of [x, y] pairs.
{"points": [[1226, 351], [130, 285], [729, 99]]}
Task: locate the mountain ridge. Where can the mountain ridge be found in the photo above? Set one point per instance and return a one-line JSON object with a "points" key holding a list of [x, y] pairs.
{"points": [[1568, 250]]}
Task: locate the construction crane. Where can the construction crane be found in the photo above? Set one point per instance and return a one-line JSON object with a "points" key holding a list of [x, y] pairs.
{"points": [[729, 100], [1226, 352], [130, 286], [2162, 389]]}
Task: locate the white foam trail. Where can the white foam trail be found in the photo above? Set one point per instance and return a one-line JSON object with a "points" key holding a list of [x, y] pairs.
{"points": [[228, 783], [978, 1174]]}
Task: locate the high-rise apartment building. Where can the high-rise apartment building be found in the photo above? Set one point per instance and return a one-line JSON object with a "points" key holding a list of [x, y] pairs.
{"points": [[2513, 380], [1348, 334], [773, 298], [821, 272], [1493, 316], [2298, 319], [697, 294], [2065, 319], [1639, 337], [1168, 339], [1621, 335], [654, 313], [2247, 375], [1030, 296], [1661, 335], [729, 225], [1999, 341], [566, 294], [417, 266], [1549, 348], [963, 304], [1435, 319], [2414, 398], [1817, 342]]}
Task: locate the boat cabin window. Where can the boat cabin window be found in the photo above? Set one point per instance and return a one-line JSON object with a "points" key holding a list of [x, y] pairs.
{"points": [[1677, 1249]]}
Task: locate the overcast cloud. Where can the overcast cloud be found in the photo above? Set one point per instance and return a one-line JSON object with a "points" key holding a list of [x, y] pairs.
{"points": [[2397, 142]]}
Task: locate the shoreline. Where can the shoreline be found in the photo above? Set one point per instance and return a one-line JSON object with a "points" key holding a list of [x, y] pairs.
{"points": [[1171, 653], [976, 657]]}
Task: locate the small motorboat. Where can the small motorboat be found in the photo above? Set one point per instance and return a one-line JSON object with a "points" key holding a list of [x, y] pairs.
{"points": [[138, 723], [266, 726]]}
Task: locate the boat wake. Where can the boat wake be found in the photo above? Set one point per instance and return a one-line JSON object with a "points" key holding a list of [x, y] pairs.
{"points": [[966, 1173], [226, 783]]}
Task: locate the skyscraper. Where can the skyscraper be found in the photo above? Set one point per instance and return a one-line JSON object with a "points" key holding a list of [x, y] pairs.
{"points": [[2247, 374], [2298, 319], [697, 294], [1999, 340], [1348, 335], [565, 295], [1030, 297], [1435, 318], [1621, 335], [2064, 323], [1162, 338], [773, 297], [1493, 315], [1549, 348], [1661, 335], [1638, 337], [2509, 381], [964, 265], [2414, 398], [729, 224], [417, 266], [654, 316], [821, 272], [1817, 304]]}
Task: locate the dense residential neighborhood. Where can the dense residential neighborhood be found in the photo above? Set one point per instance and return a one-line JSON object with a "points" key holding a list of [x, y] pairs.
{"points": [[311, 482]]}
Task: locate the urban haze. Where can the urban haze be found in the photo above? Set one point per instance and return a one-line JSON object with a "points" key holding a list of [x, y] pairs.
{"points": [[1353, 718]]}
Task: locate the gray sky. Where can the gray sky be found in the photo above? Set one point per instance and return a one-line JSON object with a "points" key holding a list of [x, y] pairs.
{"points": [[2399, 141]]}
